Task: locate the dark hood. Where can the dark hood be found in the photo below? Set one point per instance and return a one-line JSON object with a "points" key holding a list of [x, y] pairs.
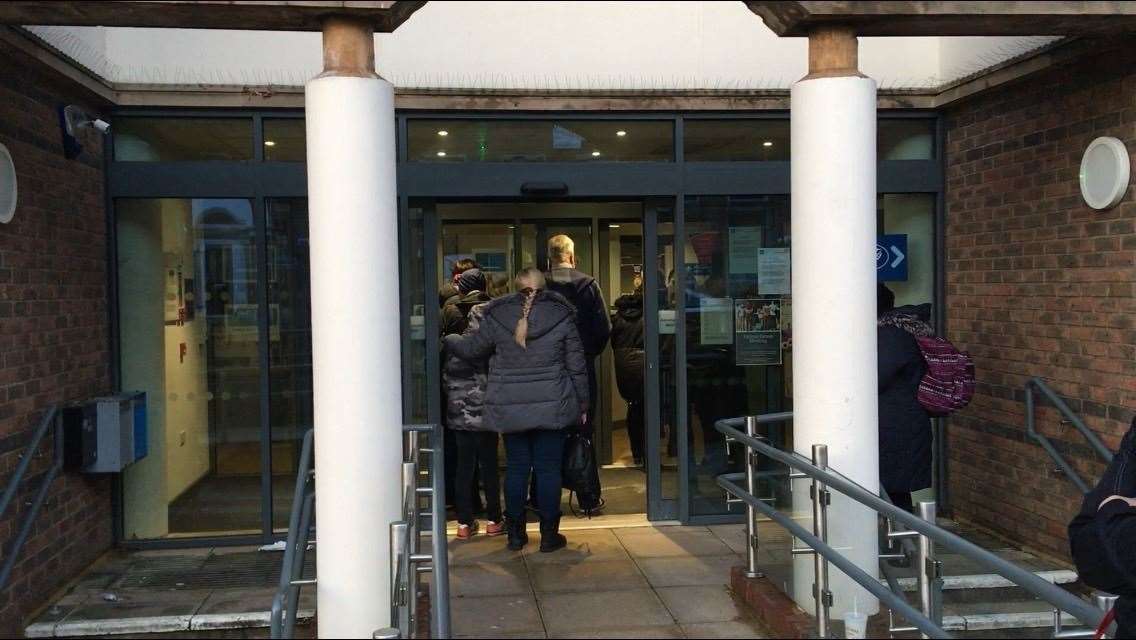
{"points": [[629, 307], [471, 280], [548, 310]]}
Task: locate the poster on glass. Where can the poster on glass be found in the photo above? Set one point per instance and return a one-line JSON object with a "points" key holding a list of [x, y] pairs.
{"points": [[757, 332]]}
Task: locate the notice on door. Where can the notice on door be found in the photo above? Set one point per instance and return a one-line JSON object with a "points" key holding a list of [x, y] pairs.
{"points": [[716, 318], [745, 242], [758, 332], [773, 266]]}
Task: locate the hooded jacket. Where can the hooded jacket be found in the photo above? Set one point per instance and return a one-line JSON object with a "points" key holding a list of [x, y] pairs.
{"points": [[543, 385], [627, 346], [464, 381], [905, 427]]}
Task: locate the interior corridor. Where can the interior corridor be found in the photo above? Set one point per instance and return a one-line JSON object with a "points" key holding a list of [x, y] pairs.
{"points": [[634, 582]]}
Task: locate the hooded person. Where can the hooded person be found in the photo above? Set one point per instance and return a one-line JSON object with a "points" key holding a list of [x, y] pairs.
{"points": [[464, 382], [904, 424], [627, 349], [537, 386]]}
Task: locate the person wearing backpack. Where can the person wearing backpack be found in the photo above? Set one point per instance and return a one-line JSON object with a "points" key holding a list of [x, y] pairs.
{"points": [[905, 425]]}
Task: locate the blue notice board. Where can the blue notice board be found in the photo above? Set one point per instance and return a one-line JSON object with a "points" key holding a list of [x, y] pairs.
{"points": [[891, 258]]}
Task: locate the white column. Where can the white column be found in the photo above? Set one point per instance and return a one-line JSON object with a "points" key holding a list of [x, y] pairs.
{"points": [[356, 347], [834, 311]]}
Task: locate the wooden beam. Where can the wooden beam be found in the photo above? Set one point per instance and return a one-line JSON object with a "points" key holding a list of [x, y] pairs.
{"points": [[348, 47], [833, 52], [383, 17]]}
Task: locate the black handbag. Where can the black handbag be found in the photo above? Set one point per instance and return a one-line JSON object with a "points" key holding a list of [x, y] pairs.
{"points": [[581, 475]]}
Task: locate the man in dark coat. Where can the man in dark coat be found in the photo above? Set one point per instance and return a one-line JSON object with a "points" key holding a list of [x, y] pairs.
{"points": [[584, 294], [1102, 536], [627, 347], [905, 426]]}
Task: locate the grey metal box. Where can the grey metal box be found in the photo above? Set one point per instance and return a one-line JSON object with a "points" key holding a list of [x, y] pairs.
{"points": [[121, 431]]}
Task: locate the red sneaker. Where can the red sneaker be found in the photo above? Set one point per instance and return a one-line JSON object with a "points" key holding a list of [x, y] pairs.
{"points": [[466, 531], [494, 528]]}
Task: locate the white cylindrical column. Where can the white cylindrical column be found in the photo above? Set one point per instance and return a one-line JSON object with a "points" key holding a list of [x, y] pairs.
{"points": [[353, 218], [834, 311]]}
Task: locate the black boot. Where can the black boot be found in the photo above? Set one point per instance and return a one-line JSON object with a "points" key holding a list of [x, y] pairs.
{"points": [[516, 534], [550, 538]]}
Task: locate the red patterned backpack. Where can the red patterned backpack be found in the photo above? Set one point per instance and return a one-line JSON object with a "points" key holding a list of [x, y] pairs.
{"points": [[949, 382]]}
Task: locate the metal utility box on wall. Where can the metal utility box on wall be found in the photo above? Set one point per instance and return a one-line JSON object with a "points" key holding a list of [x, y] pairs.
{"points": [[105, 435]]}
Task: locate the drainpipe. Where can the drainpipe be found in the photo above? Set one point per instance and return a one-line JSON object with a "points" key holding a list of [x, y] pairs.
{"points": [[833, 127], [355, 330]]}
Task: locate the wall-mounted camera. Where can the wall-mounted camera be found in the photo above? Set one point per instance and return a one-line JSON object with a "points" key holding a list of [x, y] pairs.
{"points": [[71, 120]]}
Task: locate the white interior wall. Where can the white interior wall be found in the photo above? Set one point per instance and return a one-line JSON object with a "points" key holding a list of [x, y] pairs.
{"points": [[532, 45]]}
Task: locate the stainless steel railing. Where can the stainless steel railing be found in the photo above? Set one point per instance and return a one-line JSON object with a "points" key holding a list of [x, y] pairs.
{"points": [[928, 618], [1070, 418], [285, 604], [49, 422], [422, 485], [408, 558]]}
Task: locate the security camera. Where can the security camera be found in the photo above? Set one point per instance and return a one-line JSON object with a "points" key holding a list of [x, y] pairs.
{"points": [[73, 118]]}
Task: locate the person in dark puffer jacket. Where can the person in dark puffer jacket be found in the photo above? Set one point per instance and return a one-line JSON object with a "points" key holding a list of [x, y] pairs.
{"points": [[537, 386], [464, 383], [627, 348]]}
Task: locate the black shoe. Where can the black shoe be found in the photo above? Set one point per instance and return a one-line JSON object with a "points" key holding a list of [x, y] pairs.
{"points": [[516, 535], [550, 538]]}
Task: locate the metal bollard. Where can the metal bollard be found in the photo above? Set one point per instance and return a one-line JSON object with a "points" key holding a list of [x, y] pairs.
{"points": [[389, 633], [751, 513], [929, 573], [820, 498]]}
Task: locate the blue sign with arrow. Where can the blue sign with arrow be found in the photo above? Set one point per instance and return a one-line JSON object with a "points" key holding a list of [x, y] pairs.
{"points": [[891, 258]]}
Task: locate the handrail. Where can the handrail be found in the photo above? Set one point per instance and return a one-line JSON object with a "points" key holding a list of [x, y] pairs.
{"points": [[1059, 403], [1061, 599], [287, 598], [49, 420]]}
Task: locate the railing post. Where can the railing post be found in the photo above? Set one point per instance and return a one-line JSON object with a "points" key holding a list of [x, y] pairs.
{"points": [[820, 498], [929, 572], [751, 513]]}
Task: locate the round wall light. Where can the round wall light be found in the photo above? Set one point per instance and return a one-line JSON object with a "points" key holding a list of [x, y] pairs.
{"points": [[7, 186], [1105, 170]]}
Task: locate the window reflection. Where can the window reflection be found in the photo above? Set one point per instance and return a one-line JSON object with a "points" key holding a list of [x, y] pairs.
{"points": [[540, 141]]}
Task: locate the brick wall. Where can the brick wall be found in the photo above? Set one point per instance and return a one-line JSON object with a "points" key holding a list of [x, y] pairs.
{"points": [[1039, 284], [53, 325]]}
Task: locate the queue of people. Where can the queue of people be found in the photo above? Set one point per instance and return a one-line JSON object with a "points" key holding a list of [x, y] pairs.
{"points": [[521, 365]]}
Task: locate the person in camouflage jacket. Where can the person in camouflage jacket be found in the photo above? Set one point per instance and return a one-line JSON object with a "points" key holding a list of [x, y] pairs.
{"points": [[464, 382]]}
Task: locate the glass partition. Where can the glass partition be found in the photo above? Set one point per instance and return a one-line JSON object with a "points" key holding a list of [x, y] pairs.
{"points": [[906, 139], [284, 140], [188, 320], [757, 140], [540, 140], [182, 139]]}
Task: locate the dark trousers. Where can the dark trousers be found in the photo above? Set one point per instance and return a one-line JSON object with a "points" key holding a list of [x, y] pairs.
{"points": [[538, 452], [635, 428], [902, 499], [476, 449]]}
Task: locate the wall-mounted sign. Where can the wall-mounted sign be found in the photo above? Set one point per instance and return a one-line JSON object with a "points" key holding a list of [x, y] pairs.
{"points": [[891, 258]]}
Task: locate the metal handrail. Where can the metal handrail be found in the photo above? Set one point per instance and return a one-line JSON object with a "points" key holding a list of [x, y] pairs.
{"points": [[49, 420], [286, 601], [1040, 588], [1059, 403]]}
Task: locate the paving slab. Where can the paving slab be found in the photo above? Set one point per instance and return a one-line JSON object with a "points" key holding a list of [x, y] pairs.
{"points": [[672, 542], [138, 603], [682, 572], [482, 549], [608, 611], [691, 605], [495, 616], [734, 535], [732, 629], [583, 546], [506, 578], [600, 575], [668, 631]]}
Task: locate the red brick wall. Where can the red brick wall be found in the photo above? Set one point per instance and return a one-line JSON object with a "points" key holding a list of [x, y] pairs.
{"points": [[1039, 284], [53, 325]]}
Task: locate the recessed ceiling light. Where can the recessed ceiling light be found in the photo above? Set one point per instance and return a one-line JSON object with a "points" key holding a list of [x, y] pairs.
{"points": [[767, 143], [441, 154], [621, 133], [269, 143], [595, 154], [443, 132]]}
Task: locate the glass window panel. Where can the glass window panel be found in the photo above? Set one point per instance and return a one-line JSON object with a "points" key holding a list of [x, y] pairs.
{"points": [[906, 139], [414, 279], [913, 215], [540, 141], [289, 345], [735, 140], [738, 316], [189, 331], [668, 386], [284, 140], [175, 139]]}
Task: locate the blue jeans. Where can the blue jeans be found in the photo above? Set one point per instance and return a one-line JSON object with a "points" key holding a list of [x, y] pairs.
{"points": [[540, 452]]}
